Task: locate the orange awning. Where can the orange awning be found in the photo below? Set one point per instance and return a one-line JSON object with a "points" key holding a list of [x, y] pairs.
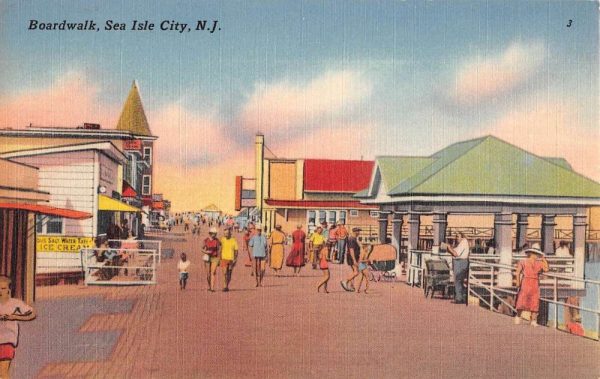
{"points": [[47, 210]]}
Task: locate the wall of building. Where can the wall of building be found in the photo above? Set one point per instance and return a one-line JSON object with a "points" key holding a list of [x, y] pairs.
{"points": [[69, 178], [282, 183], [300, 216]]}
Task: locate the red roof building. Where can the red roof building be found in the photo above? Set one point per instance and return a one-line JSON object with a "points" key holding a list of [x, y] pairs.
{"points": [[311, 191]]}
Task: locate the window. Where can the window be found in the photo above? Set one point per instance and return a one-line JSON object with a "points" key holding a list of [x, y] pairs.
{"points": [[146, 185], [49, 225], [343, 217], [322, 217], [374, 214], [312, 215], [353, 213], [148, 154], [331, 219]]}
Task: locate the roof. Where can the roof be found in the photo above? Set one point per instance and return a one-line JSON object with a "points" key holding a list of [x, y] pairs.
{"points": [[395, 169], [486, 166], [106, 147], [47, 210], [319, 204], [133, 118], [328, 175], [63, 132]]}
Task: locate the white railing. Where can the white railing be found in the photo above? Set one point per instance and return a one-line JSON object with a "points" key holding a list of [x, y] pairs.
{"points": [[141, 244], [416, 264], [140, 266], [484, 276]]}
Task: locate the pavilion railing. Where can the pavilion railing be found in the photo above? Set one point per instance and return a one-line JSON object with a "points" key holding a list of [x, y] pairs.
{"points": [[416, 264], [483, 286]]}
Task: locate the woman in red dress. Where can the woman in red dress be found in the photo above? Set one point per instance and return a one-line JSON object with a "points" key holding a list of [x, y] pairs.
{"points": [[296, 257], [528, 282]]}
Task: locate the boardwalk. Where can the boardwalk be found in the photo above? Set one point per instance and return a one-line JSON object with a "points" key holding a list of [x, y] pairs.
{"points": [[287, 330]]}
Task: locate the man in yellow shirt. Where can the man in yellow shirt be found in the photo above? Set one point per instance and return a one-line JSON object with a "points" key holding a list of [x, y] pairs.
{"points": [[316, 242], [229, 252]]}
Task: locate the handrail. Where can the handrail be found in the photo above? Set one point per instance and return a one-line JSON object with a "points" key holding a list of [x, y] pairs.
{"points": [[501, 265], [475, 281]]}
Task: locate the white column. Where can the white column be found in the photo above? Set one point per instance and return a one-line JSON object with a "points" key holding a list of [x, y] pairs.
{"points": [[383, 224], [548, 225], [579, 225], [503, 229], [397, 232], [440, 223]]}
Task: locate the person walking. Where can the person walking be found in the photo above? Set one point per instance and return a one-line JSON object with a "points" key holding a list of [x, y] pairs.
{"points": [[352, 259], [258, 244], [229, 252], [363, 268], [296, 257], [323, 255], [342, 238], [11, 312], [183, 267], [276, 249], [460, 267], [212, 251], [248, 234], [316, 242], [528, 283]]}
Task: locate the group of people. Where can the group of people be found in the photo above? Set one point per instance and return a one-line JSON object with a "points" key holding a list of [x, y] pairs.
{"points": [[320, 249], [527, 280]]}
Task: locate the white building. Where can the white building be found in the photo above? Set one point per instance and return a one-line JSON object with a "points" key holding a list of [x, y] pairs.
{"points": [[84, 177]]}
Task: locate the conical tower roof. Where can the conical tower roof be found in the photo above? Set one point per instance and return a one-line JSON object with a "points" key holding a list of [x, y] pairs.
{"points": [[133, 118]]}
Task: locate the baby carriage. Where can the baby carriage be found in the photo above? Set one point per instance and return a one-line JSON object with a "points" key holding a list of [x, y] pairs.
{"points": [[382, 262], [437, 278]]}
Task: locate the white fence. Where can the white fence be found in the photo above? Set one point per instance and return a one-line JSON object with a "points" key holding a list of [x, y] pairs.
{"points": [[118, 266]]}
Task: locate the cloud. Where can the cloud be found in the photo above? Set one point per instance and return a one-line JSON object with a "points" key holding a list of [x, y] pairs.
{"points": [[188, 137], [553, 129], [287, 108], [480, 79], [70, 100]]}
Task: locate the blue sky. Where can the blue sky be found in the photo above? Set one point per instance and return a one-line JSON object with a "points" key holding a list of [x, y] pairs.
{"points": [[398, 72]]}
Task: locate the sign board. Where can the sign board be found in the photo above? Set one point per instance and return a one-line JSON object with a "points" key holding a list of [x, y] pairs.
{"points": [[63, 244], [135, 144]]}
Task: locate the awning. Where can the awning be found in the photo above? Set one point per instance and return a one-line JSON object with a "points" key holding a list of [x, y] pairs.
{"points": [[158, 205], [47, 210], [128, 191], [106, 203]]}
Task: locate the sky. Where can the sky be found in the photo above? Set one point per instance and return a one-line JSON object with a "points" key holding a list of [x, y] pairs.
{"points": [[321, 79]]}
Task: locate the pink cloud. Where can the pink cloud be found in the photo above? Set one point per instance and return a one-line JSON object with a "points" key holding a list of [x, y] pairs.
{"points": [[337, 141], [283, 106], [188, 137], [70, 100], [483, 78], [554, 129]]}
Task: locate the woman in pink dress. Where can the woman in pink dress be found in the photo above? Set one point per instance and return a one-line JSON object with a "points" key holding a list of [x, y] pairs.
{"points": [[296, 257], [528, 282]]}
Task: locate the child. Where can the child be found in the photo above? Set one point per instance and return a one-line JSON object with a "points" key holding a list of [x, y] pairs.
{"points": [[183, 266], [11, 312], [324, 266]]}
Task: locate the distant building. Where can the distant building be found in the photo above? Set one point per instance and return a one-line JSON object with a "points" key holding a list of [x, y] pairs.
{"points": [[310, 191], [211, 212]]}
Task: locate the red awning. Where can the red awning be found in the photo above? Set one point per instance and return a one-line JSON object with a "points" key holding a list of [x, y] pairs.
{"points": [[158, 205], [319, 204], [47, 210], [128, 191]]}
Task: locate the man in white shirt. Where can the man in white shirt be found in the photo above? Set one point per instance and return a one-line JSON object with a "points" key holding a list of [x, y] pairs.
{"points": [[460, 267], [11, 312], [563, 250]]}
